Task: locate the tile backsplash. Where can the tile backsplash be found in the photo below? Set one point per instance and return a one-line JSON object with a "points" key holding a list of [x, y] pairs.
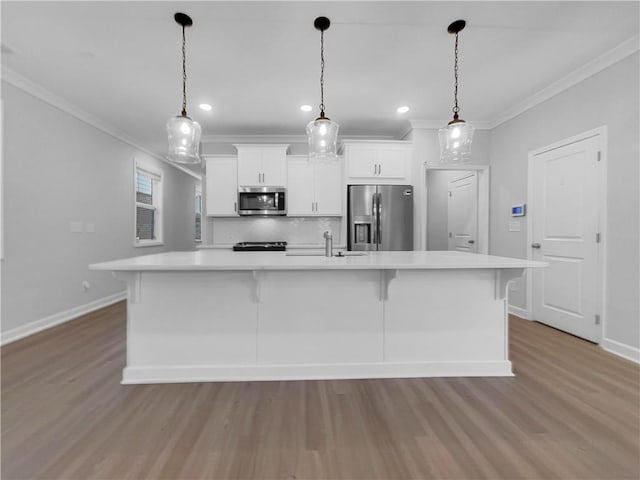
{"points": [[294, 230]]}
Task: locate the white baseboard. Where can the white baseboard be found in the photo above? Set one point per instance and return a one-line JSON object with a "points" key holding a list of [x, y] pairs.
{"points": [[237, 373], [622, 350], [58, 318], [519, 312]]}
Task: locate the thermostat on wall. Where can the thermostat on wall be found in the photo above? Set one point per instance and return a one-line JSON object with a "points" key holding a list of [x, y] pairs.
{"points": [[518, 210]]}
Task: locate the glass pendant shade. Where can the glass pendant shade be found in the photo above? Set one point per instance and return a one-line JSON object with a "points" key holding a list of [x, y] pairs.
{"points": [[323, 138], [184, 140], [455, 142]]}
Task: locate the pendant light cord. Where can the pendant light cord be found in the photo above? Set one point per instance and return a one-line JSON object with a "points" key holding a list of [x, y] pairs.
{"points": [[184, 75], [322, 73], [456, 109]]}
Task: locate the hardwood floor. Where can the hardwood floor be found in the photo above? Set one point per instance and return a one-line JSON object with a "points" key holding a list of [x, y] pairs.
{"points": [[571, 412]]}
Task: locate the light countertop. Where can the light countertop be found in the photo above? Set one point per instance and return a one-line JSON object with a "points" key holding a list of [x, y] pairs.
{"points": [[214, 259]]}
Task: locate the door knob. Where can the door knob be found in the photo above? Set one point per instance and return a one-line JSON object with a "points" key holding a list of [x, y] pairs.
{"points": [[535, 245]]}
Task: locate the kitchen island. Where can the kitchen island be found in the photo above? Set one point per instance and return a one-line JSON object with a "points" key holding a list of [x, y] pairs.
{"points": [[217, 315]]}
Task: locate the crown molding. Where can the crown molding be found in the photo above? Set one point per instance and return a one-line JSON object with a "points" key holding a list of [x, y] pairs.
{"points": [[269, 139], [417, 124], [240, 139], [622, 51], [38, 91]]}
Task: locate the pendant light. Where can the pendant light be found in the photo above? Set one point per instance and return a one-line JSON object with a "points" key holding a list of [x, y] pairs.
{"points": [[455, 138], [322, 132], [183, 133]]}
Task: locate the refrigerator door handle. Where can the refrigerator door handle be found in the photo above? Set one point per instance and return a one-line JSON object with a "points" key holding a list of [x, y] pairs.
{"points": [[374, 216], [379, 219]]}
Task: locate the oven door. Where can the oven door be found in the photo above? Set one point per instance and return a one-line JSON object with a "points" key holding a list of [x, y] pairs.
{"points": [[261, 201]]}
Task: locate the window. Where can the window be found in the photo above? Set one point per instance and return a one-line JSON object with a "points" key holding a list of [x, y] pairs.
{"points": [[198, 207], [148, 187]]}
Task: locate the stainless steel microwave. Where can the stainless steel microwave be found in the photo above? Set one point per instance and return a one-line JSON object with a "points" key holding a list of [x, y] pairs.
{"points": [[261, 201]]}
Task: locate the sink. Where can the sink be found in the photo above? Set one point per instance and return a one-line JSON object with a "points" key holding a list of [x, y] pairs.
{"points": [[321, 254]]}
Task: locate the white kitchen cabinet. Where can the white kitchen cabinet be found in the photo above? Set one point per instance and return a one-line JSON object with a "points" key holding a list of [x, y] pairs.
{"points": [[221, 180], [300, 182], [328, 188], [262, 165], [314, 188], [378, 162]]}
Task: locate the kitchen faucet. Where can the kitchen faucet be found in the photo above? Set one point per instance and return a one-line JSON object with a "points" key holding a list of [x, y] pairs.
{"points": [[328, 244]]}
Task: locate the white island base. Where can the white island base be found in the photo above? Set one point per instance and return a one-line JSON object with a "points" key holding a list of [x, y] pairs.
{"points": [[323, 318]]}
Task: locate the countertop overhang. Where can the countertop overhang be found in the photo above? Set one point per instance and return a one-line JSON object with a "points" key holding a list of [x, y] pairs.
{"points": [[212, 260]]}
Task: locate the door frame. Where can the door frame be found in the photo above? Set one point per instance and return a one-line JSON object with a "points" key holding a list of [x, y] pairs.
{"points": [[601, 261], [482, 172]]}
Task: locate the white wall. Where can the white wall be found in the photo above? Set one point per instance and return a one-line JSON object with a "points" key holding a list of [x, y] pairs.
{"points": [[296, 231], [59, 169], [438, 209], [608, 98]]}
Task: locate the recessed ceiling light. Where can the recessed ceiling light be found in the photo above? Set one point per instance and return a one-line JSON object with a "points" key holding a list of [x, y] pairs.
{"points": [[306, 108], [205, 106], [403, 109]]}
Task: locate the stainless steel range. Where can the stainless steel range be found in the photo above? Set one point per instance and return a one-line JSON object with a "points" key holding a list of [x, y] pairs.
{"points": [[260, 247]]}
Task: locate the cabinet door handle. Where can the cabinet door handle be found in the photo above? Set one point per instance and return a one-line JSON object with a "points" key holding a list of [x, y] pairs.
{"points": [[379, 169], [535, 245]]}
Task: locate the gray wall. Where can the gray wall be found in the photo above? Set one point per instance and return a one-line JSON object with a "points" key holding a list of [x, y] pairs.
{"points": [[59, 169], [608, 98]]}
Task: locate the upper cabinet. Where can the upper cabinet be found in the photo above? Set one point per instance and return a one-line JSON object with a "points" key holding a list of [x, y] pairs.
{"points": [[221, 186], [262, 165], [314, 188], [383, 162]]}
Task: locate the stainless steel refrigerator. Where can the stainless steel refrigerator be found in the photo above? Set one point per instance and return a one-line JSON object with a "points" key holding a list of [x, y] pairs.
{"points": [[380, 217]]}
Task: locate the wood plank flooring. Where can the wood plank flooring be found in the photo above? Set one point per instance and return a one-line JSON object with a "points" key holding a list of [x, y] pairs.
{"points": [[571, 412]]}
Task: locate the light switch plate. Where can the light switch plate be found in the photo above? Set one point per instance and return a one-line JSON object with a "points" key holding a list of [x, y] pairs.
{"points": [[514, 226], [90, 227]]}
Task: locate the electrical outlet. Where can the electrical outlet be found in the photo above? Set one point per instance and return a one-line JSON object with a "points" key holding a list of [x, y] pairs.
{"points": [[75, 227], [90, 227]]}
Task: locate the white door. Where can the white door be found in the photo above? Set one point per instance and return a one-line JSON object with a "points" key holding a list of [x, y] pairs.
{"points": [[328, 188], [249, 167], [362, 161], [300, 200], [274, 166], [221, 186], [392, 162], [564, 221], [463, 213]]}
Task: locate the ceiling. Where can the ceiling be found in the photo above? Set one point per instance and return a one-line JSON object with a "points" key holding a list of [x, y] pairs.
{"points": [[257, 62]]}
